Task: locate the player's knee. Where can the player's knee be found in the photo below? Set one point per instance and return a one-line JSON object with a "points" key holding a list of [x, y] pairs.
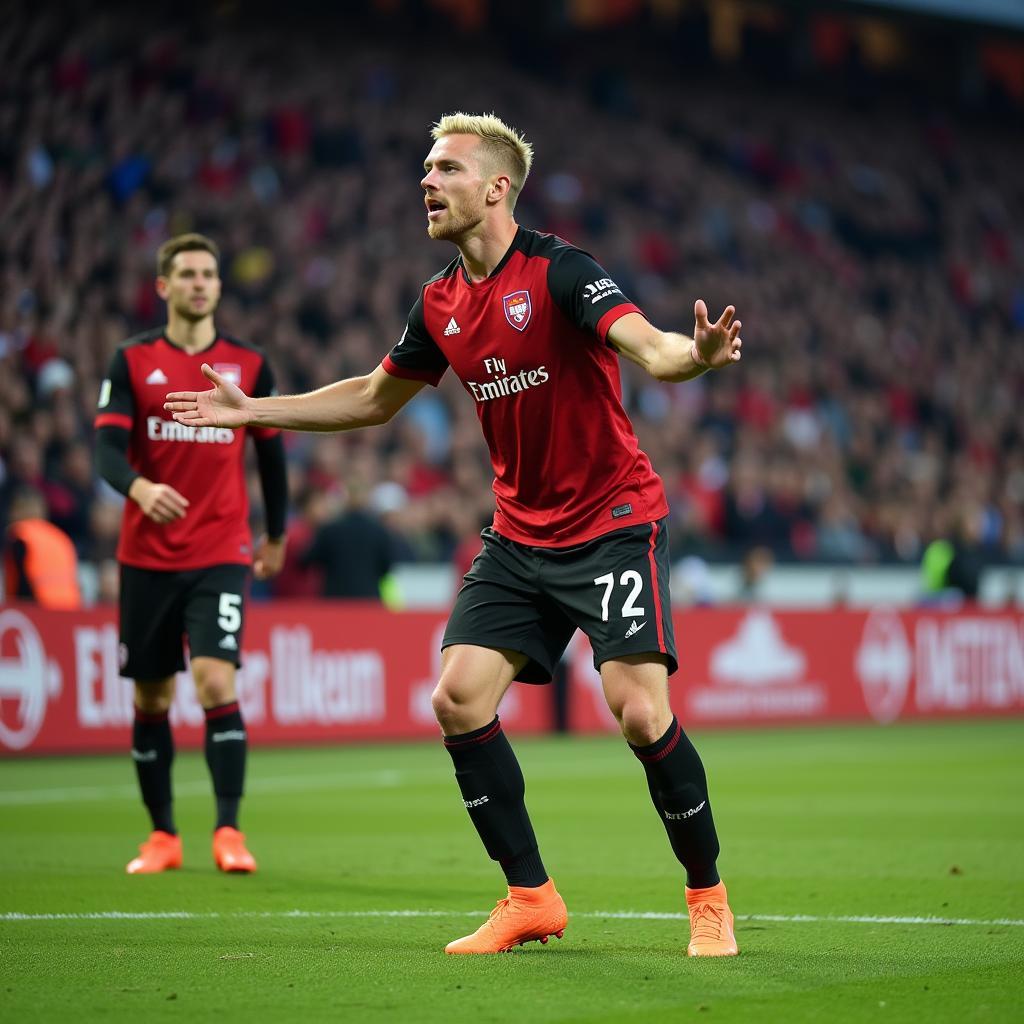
{"points": [[153, 698], [445, 704], [214, 687], [454, 709], [641, 720]]}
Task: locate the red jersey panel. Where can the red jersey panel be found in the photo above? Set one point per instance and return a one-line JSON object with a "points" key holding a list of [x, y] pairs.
{"points": [[205, 464], [528, 344]]}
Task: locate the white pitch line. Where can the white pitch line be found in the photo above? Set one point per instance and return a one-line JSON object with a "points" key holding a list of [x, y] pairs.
{"points": [[620, 915], [386, 778], [282, 783]]}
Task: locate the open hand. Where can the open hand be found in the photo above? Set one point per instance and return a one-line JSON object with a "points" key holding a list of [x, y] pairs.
{"points": [[224, 405], [715, 344]]}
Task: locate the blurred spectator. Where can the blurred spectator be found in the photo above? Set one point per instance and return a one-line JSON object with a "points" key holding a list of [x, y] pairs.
{"points": [[951, 567], [871, 240], [756, 564], [353, 549], [300, 578], [40, 564], [691, 582]]}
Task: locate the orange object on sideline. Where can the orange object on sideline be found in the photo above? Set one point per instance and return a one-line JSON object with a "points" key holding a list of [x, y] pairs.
{"points": [[51, 564]]}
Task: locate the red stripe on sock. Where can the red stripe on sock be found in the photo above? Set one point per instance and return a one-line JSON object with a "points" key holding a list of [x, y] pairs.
{"points": [[665, 751], [489, 735], [654, 586], [220, 711]]}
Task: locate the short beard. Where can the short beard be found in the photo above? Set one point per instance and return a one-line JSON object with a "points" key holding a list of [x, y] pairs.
{"points": [[453, 229], [186, 313]]}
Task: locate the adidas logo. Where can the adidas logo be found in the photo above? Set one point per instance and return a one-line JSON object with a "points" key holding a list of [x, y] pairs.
{"points": [[143, 756], [157, 377], [452, 328], [228, 643], [635, 628]]}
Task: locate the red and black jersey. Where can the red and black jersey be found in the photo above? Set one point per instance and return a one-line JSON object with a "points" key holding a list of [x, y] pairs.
{"points": [[205, 464], [529, 345]]}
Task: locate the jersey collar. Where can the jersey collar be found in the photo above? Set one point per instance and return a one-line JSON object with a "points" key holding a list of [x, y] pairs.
{"points": [[517, 243]]}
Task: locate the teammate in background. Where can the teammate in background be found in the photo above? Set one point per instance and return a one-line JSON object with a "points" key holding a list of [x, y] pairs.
{"points": [[185, 546], [531, 326]]}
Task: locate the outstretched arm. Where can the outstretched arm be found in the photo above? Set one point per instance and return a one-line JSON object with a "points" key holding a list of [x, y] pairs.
{"points": [[676, 357], [347, 405]]}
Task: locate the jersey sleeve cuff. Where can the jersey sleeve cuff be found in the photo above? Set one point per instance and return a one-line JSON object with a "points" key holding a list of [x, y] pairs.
{"points": [[112, 419], [604, 325], [432, 377]]}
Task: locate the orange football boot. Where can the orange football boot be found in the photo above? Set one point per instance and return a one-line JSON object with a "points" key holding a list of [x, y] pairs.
{"points": [[160, 852], [525, 914], [711, 922], [229, 852]]}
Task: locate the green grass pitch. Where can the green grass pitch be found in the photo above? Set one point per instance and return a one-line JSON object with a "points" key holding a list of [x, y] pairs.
{"points": [[836, 843]]}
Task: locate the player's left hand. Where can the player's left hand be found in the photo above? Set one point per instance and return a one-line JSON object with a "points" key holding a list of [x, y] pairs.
{"points": [[715, 344], [269, 559]]}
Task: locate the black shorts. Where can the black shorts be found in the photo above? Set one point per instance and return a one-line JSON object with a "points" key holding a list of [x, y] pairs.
{"points": [[531, 599], [160, 609]]}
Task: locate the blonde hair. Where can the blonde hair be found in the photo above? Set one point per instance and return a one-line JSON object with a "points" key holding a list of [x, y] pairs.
{"points": [[505, 148]]}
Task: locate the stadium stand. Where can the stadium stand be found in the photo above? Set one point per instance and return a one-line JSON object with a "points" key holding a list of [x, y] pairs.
{"points": [[869, 237]]}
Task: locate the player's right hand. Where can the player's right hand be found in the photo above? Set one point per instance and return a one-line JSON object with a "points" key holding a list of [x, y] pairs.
{"points": [[225, 405], [159, 502]]}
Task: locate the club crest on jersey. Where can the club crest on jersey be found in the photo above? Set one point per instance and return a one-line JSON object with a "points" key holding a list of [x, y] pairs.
{"points": [[518, 309], [231, 372]]}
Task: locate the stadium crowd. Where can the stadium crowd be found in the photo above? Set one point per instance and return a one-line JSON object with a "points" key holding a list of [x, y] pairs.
{"points": [[872, 247]]}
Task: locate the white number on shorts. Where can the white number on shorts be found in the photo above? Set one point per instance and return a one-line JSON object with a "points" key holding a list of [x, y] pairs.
{"points": [[608, 582], [230, 618]]}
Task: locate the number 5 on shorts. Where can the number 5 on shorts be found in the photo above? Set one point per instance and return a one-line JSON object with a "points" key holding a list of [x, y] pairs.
{"points": [[229, 617], [608, 582]]}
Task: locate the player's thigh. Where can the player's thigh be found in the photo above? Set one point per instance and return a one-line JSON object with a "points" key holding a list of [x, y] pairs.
{"points": [[215, 612], [473, 681], [501, 607], [616, 589], [152, 623]]}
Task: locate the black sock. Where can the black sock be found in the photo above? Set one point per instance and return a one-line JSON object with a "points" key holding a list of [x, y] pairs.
{"points": [[679, 789], [492, 788], [226, 747], [153, 754]]}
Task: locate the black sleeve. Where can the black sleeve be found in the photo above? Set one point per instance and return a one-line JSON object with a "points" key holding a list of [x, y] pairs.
{"points": [[270, 460], [116, 401], [585, 293], [111, 455], [416, 356], [114, 413], [265, 385], [273, 471]]}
